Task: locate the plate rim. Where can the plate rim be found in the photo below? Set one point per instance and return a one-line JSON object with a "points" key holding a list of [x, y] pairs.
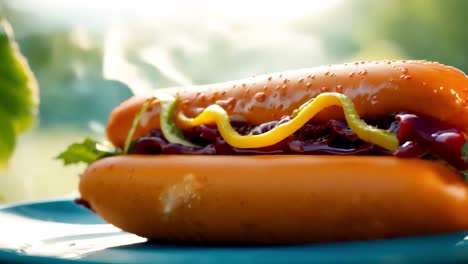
{"points": [[16, 256], [7, 206]]}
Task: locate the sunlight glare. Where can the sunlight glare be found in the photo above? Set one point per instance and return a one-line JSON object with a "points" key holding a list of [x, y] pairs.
{"points": [[154, 11]]}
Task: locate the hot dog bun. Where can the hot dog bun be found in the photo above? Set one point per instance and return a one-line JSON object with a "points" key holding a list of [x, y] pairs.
{"points": [[289, 198], [376, 88], [275, 199]]}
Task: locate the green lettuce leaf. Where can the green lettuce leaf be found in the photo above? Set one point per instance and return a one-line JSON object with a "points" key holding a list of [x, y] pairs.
{"points": [[167, 123], [464, 151], [135, 122], [91, 150], [171, 132], [18, 93], [87, 152], [464, 174]]}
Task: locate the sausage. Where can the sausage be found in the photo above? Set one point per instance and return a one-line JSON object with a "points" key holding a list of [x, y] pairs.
{"points": [[275, 199], [288, 198], [376, 88]]}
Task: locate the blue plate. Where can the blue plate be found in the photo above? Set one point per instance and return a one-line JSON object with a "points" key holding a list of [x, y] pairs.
{"points": [[62, 232]]}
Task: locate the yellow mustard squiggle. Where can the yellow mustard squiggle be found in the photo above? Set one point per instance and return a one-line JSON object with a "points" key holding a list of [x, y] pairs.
{"points": [[215, 114]]}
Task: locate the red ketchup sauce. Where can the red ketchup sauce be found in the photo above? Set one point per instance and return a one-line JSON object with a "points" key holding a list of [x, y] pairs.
{"points": [[421, 136], [333, 137]]}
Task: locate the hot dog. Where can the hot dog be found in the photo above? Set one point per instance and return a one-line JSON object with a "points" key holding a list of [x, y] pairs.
{"points": [[376, 88], [356, 151]]}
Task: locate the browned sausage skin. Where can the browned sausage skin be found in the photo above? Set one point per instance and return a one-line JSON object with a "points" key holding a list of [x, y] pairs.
{"points": [[376, 88]]}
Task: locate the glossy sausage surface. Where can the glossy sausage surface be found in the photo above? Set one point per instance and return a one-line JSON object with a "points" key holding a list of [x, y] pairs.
{"points": [[275, 199], [376, 88]]}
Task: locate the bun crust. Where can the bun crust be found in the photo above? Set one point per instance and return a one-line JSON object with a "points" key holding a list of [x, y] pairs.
{"points": [[275, 199]]}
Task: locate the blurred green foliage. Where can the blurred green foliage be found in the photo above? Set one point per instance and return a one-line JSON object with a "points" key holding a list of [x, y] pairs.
{"points": [[426, 29], [73, 91], [70, 77], [18, 93], [417, 29]]}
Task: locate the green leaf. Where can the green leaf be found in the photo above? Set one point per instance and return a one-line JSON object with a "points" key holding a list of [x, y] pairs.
{"points": [[18, 93], [7, 139], [464, 151], [171, 132], [464, 173], [136, 121], [167, 123], [87, 152]]}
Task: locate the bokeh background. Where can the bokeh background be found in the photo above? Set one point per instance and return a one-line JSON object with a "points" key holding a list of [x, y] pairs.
{"points": [[90, 55]]}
